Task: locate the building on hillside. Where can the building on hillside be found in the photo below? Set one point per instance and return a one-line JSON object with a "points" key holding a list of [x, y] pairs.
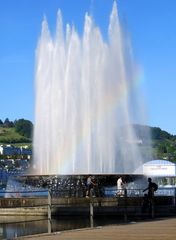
{"points": [[25, 151], [10, 150]]}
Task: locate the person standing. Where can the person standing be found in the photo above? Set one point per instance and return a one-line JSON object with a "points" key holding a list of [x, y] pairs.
{"points": [[152, 187], [120, 186]]}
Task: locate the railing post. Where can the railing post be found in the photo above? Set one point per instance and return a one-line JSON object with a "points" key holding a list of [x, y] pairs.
{"points": [[91, 213], [174, 198], [152, 207], [125, 205], [49, 211]]}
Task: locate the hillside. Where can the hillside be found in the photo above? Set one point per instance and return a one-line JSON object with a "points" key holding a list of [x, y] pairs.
{"points": [[19, 131], [10, 136], [160, 143]]}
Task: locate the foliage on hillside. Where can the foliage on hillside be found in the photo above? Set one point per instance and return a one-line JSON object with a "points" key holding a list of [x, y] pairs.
{"points": [[154, 133], [163, 143], [24, 127], [9, 136], [19, 131]]}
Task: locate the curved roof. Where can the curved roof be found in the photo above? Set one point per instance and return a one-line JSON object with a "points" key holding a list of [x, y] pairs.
{"points": [[159, 162]]}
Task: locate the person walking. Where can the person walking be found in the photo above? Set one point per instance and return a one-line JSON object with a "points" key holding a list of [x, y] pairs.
{"points": [[90, 184], [152, 187]]}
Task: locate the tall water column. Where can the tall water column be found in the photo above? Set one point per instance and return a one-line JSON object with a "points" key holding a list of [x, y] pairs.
{"points": [[84, 86]]}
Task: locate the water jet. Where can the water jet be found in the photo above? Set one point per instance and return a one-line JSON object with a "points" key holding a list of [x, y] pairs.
{"points": [[85, 93]]}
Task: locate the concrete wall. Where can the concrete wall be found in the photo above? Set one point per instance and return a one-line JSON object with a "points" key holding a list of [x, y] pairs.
{"points": [[81, 206]]}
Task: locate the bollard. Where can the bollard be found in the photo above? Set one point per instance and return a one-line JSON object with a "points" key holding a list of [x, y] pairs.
{"points": [[49, 212]]}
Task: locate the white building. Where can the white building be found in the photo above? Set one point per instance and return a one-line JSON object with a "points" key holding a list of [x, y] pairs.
{"points": [[160, 168]]}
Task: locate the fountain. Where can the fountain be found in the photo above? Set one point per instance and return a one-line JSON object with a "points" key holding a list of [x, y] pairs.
{"points": [[85, 93]]}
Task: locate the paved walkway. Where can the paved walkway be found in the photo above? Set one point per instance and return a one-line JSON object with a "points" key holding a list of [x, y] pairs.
{"points": [[152, 230]]}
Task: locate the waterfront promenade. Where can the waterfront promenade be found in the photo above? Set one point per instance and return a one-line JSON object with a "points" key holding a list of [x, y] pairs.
{"points": [[150, 230]]}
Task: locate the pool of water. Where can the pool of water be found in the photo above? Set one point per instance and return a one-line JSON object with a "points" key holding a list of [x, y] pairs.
{"points": [[12, 227]]}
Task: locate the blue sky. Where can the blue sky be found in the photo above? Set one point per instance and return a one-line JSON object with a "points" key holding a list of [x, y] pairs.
{"points": [[150, 23]]}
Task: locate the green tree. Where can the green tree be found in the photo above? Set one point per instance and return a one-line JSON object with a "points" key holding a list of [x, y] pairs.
{"points": [[24, 127], [8, 124]]}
